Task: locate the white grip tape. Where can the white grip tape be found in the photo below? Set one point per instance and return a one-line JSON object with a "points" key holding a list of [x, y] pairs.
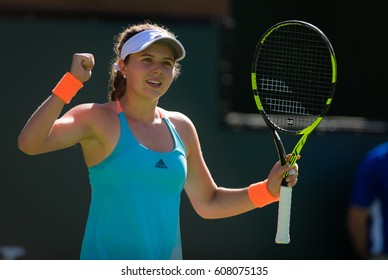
{"points": [[284, 214]]}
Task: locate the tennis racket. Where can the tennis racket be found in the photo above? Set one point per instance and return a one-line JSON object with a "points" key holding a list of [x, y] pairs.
{"points": [[294, 72]]}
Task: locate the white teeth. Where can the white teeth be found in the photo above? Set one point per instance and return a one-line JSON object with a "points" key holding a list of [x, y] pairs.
{"points": [[153, 82]]}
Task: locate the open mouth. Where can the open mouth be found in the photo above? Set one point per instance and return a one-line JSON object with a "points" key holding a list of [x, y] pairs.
{"points": [[154, 83]]}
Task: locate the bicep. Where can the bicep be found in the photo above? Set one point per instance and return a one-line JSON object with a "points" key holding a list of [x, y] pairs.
{"points": [[68, 130]]}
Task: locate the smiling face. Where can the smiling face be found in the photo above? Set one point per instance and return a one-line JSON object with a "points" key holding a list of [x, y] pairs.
{"points": [[151, 71]]}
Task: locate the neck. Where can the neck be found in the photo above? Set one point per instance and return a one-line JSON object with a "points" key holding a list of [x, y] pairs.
{"points": [[143, 112]]}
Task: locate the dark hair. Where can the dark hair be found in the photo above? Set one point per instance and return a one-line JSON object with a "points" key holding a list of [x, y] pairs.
{"points": [[117, 81]]}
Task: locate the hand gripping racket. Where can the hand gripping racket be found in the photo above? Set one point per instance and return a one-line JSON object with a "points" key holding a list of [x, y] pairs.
{"points": [[294, 72]]}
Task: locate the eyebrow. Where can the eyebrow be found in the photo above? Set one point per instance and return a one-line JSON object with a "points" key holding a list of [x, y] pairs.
{"points": [[150, 55]]}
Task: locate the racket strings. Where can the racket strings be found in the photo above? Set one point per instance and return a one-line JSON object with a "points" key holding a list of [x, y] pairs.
{"points": [[294, 76]]}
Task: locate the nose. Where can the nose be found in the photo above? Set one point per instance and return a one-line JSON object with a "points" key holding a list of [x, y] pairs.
{"points": [[157, 67]]}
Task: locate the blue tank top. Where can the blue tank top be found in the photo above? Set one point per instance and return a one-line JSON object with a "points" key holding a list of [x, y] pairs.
{"points": [[135, 201]]}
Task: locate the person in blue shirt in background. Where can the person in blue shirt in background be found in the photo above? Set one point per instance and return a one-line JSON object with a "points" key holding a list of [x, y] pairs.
{"points": [[367, 220]]}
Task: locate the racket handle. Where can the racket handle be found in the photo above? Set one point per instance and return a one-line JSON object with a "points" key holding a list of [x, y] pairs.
{"points": [[284, 214]]}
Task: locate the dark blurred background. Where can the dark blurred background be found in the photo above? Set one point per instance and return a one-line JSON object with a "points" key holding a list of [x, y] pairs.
{"points": [[44, 199]]}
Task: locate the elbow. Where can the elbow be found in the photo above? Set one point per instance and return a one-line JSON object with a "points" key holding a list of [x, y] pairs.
{"points": [[206, 217], [203, 215], [207, 208], [25, 147], [206, 214]]}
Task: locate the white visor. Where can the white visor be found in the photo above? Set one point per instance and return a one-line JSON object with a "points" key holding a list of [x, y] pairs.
{"points": [[144, 39]]}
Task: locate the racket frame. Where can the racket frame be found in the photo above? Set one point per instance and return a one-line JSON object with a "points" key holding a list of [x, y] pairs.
{"points": [[284, 213]]}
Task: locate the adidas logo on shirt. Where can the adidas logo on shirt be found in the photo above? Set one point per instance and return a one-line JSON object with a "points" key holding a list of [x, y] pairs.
{"points": [[160, 164]]}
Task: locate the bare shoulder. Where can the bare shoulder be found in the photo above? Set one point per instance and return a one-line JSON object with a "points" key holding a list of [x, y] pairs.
{"points": [[100, 128], [92, 108], [93, 119], [184, 126], [91, 111], [179, 119]]}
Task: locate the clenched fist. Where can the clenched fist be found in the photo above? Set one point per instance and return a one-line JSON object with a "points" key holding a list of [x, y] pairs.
{"points": [[82, 65]]}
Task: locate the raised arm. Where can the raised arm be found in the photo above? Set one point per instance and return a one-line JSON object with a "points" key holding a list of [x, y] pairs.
{"points": [[44, 132]]}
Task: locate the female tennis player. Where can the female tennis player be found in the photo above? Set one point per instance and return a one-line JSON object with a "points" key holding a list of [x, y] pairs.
{"points": [[140, 157]]}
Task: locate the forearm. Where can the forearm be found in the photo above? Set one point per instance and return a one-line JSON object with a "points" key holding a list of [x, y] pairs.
{"points": [[38, 127], [360, 241], [359, 230], [228, 202]]}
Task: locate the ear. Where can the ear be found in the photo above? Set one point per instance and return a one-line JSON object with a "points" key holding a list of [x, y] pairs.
{"points": [[122, 67]]}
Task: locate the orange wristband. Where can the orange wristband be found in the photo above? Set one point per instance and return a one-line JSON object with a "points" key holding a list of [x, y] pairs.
{"points": [[259, 194], [67, 87]]}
